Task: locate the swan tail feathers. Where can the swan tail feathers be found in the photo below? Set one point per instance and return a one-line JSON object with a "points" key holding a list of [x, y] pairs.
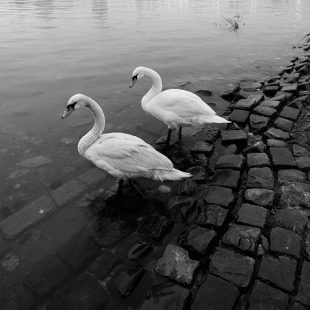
{"points": [[216, 119], [171, 174]]}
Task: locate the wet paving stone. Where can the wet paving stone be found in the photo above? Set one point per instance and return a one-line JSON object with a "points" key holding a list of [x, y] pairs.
{"points": [[202, 147], [258, 122], [180, 208], [156, 226], [127, 280], [291, 175], [275, 133], [290, 113], [271, 104], [47, 275], [256, 147], [268, 298], [235, 162], [282, 158], [249, 103], [258, 160], [300, 151], [84, 294], [166, 296], [139, 250], [220, 196], [260, 196], [278, 270], [285, 242], [295, 194], [303, 163], [276, 143], [233, 136], [216, 294], [283, 124], [176, 264], [198, 173], [226, 178], [303, 295], [291, 219], [234, 267], [260, 177], [239, 116], [210, 135], [252, 215], [188, 188], [210, 215], [265, 111], [298, 306], [243, 237], [197, 239], [307, 247], [271, 90], [79, 251], [231, 149]]}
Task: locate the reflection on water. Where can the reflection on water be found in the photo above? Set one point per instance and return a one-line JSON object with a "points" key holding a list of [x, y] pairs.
{"points": [[52, 49]]}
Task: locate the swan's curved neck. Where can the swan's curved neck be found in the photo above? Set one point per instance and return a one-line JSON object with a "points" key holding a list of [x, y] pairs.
{"points": [[87, 140], [156, 87]]}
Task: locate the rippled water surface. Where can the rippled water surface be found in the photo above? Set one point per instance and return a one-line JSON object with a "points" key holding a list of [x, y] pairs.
{"points": [[52, 49]]}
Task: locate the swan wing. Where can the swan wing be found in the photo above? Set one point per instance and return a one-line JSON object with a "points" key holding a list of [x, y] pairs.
{"points": [[182, 103], [119, 136]]}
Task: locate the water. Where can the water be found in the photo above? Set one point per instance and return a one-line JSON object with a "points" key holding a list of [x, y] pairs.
{"points": [[52, 49]]}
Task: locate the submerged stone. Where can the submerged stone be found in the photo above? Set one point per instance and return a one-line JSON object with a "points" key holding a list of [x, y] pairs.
{"points": [[127, 280], [202, 147], [36, 161]]}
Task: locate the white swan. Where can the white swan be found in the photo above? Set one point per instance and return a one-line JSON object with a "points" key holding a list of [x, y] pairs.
{"points": [[121, 155], [175, 107]]}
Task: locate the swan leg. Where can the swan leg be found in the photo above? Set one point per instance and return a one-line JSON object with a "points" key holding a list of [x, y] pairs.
{"points": [[180, 134], [168, 136], [120, 187]]}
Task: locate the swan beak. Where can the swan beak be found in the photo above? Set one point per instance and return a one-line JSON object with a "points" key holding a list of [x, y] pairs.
{"points": [[67, 112], [134, 80]]}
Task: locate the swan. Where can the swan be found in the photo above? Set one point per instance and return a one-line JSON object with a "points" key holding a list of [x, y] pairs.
{"points": [[177, 108], [119, 154]]}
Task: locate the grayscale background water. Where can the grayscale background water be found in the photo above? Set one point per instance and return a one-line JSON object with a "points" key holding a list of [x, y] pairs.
{"points": [[53, 49]]}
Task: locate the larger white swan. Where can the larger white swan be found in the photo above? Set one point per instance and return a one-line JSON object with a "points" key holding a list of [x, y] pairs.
{"points": [[121, 155], [177, 108]]}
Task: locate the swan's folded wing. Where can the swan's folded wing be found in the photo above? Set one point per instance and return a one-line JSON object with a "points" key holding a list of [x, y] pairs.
{"points": [[182, 103], [127, 156], [120, 136]]}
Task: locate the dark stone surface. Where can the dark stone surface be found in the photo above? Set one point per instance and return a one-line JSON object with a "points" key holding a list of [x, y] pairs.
{"points": [[279, 271], [199, 174], [234, 267], [256, 147], [197, 239], [157, 226], [282, 158], [291, 219], [249, 103], [235, 162], [252, 215], [230, 92], [258, 160], [265, 111], [127, 280], [260, 196], [303, 163], [176, 264], [297, 306], [202, 147], [260, 177], [295, 194], [285, 242], [276, 143], [265, 297], [47, 275], [210, 135], [79, 251], [188, 188], [139, 250], [239, 116], [300, 151], [291, 175], [210, 215], [101, 266], [303, 295], [199, 160], [85, 294], [233, 136], [270, 91], [231, 149], [290, 113], [258, 123], [180, 208], [307, 247], [275, 133], [166, 297], [219, 196], [226, 178], [283, 124], [243, 237], [215, 294], [270, 104]]}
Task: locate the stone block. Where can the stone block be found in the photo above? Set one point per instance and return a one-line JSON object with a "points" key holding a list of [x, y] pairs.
{"points": [[291, 89], [210, 215], [260, 178], [303, 295], [179, 208], [220, 196], [198, 173], [290, 113], [265, 111], [275, 133], [249, 103], [102, 265], [234, 267], [282, 158], [69, 191], [93, 177], [285, 242], [291, 175], [215, 293], [276, 143], [300, 151], [295, 194], [252, 215], [283, 124], [258, 160], [233, 136], [258, 122], [291, 219], [235, 162], [202, 147], [271, 104], [260, 196], [239, 116], [303, 162], [27, 216], [226, 178], [271, 90]]}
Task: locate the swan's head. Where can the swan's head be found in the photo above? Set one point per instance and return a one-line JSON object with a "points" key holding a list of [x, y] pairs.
{"points": [[75, 102], [137, 74]]}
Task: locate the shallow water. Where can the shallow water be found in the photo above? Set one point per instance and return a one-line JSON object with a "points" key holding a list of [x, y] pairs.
{"points": [[52, 49]]}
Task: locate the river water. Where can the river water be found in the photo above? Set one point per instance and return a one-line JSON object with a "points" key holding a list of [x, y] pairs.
{"points": [[53, 49]]}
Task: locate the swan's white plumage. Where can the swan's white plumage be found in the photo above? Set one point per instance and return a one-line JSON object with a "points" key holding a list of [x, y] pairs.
{"points": [[121, 155], [175, 107]]}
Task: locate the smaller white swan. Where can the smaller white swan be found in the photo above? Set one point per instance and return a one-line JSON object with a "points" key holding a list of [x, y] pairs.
{"points": [[121, 155], [177, 108]]}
